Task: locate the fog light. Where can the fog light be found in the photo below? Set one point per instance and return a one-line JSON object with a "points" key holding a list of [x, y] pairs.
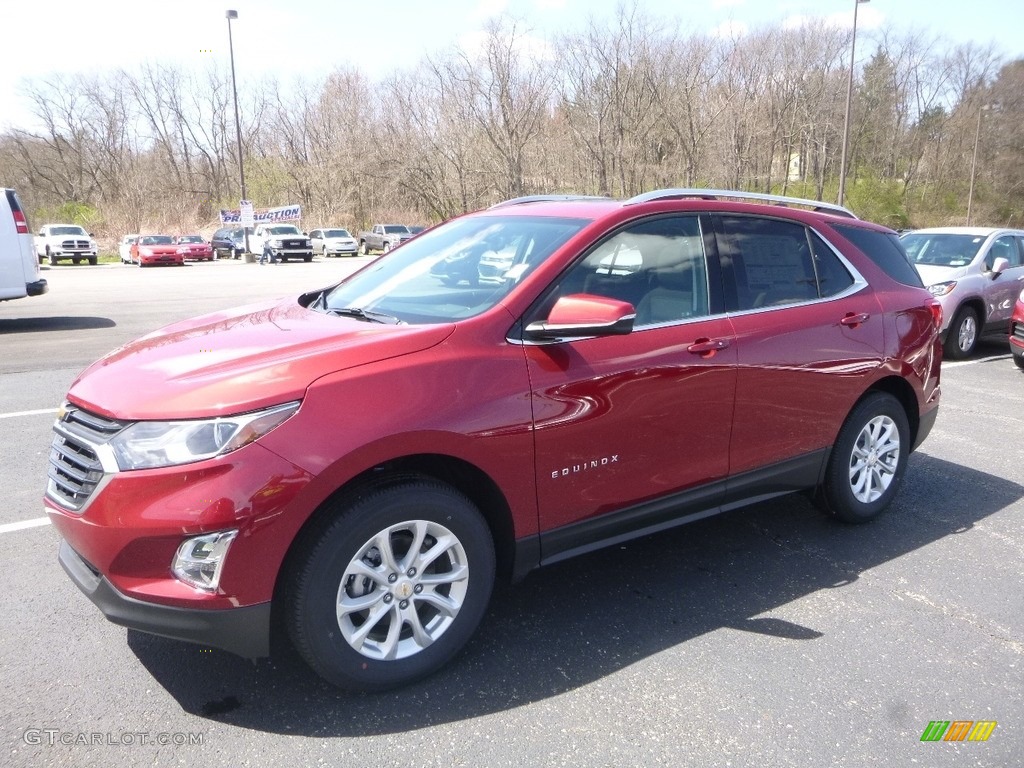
{"points": [[199, 560]]}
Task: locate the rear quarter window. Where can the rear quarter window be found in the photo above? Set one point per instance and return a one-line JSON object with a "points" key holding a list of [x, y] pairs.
{"points": [[886, 250]]}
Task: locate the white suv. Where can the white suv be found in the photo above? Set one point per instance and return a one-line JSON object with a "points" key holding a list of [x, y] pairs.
{"points": [[19, 270], [976, 273]]}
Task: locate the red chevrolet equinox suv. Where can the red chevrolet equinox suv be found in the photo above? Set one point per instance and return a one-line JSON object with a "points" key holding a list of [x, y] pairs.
{"points": [[359, 464]]}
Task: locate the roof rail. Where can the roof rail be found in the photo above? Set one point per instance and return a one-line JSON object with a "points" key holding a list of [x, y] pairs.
{"points": [[548, 199], [715, 194]]}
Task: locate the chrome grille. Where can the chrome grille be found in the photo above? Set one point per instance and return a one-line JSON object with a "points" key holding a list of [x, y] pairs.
{"points": [[69, 245], [75, 468]]}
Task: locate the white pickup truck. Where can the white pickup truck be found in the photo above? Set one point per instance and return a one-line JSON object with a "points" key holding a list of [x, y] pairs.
{"points": [[65, 241], [286, 241]]}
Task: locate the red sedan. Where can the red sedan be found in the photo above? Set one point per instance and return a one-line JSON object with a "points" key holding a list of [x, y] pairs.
{"points": [[1017, 332], [156, 249], [194, 248]]}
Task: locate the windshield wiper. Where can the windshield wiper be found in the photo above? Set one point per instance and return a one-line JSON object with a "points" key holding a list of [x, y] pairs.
{"points": [[367, 315]]}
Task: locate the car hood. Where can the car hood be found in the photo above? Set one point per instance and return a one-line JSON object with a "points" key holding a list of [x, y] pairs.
{"points": [[238, 360], [931, 274]]}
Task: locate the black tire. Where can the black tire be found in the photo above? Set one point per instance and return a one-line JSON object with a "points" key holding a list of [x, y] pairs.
{"points": [[51, 258], [387, 246], [861, 481], [93, 260], [962, 337], [337, 648], [362, 248], [307, 258], [1019, 360]]}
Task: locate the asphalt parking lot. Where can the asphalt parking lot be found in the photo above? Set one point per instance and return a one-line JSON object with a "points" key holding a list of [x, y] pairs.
{"points": [[769, 636]]}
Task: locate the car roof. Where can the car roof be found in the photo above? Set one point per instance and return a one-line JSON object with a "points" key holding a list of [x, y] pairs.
{"points": [[808, 212], [975, 231]]}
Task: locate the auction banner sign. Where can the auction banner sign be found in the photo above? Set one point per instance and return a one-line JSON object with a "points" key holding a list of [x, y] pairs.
{"points": [[263, 215]]}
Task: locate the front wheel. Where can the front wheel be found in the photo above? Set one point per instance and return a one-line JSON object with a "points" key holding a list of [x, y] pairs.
{"points": [[1019, 360], [93, 260], [962, 335], [362, 248], [392, 587], [868, 460]]}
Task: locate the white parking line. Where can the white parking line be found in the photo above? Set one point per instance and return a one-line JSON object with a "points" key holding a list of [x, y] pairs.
{"points": [[975, 362], [12, 527], [27, 413]]}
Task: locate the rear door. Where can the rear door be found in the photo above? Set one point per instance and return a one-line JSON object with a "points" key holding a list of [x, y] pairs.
{"points": [[625, 423], [809, 335]]}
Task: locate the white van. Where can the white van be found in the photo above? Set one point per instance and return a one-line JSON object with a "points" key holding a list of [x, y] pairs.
{"points": [[19, 268]]}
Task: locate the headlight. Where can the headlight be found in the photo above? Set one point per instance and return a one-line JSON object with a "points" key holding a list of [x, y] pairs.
{"points": [[183, 251], [148, 444], [1021, 297], [277, 243], [942, 289]]}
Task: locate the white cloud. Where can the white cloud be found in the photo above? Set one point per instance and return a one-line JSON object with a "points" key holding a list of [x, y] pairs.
{"points": [[486, 9], [730, 30]]}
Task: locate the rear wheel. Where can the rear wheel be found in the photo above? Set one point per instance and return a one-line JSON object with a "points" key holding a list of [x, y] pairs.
{"points": [[962, 336], [868, 460], [392, 587]]}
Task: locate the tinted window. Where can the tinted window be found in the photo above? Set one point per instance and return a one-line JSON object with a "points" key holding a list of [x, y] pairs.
{"points": [[766, 262], [833, 277], [886, 250]]}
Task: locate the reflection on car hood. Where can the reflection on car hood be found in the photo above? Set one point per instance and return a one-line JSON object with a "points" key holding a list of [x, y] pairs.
{"points": [[931, 274], [238, 360]]}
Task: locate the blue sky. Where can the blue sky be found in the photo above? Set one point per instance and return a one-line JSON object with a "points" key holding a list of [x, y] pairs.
{"points": [[310, 37]]}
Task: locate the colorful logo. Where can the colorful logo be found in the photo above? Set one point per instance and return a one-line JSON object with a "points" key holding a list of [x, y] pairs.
{"points": [[958, 730]]}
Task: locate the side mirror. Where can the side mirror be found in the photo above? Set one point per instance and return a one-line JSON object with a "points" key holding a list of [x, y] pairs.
{"points": [[999, 266], [582, 315]]}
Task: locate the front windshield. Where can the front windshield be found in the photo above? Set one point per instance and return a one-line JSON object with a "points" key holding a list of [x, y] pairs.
{"points": [[942, 249], [69, 231], [157, 240], [439, 276], [283, 230], [395, 229], [336, 233]]}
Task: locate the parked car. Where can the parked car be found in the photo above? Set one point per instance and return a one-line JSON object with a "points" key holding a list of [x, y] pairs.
{"points": [[56, 242], [194, 247], [124, 248], [1017, 331], [976, 274], [284, 241], [156, 249], [333, 242], [361, 462], [383, 237], [19, 268], [229, 241]]}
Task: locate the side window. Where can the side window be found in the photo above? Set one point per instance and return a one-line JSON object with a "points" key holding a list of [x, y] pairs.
{"points": [[657, 266], [833, 277], [1020, 252], [1002, 248], [768, 262]]}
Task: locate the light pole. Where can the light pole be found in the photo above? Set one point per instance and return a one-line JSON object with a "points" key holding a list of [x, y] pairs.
{"points": [[238, 125], [974, 162], [849, 98]]}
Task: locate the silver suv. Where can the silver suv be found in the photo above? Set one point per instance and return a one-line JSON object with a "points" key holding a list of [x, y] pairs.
{"points": [[976, 273]]}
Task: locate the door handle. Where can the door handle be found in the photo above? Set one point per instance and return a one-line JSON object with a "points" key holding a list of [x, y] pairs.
{"points": [[707, 347], [853, 320]]}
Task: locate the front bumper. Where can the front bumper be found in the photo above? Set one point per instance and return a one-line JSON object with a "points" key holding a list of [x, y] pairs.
{"points": [[242, 631]]}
